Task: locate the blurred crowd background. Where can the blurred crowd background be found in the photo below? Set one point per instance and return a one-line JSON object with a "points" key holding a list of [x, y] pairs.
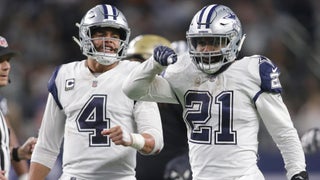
{"points": [[286, 31]]}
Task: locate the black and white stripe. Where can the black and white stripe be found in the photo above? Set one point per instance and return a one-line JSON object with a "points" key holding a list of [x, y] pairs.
{"points": [[4, 145]]}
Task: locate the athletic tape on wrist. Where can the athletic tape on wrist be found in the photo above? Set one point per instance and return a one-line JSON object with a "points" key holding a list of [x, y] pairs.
{"points": [[15, 155], [23, 177], [137, 141]]}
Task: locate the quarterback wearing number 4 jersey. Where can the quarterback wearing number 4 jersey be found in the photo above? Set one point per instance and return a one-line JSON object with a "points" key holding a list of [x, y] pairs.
{"points": [[223, 99], [81, 106], [101, 127]]}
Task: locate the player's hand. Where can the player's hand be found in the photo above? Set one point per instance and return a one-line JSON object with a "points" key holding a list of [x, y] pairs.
{"points": [[2, 175], [303, 175], [25, 151], [118, 136], [311, 141], [164, 55]]}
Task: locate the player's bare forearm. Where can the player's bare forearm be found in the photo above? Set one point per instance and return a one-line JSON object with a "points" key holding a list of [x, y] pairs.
{"points": [[149, 144], [20, 167], [38, 171]]}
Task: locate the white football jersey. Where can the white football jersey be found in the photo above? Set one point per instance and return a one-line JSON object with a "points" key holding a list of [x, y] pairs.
{"points": [[79, 106], [223, 112]]}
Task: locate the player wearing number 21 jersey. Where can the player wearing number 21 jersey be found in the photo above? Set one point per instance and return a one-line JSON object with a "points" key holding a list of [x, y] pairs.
{"points": [[223, 112], [223, 99]]}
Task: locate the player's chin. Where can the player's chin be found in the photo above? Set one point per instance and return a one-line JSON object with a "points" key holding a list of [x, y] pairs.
{"points": [[4, 81]]}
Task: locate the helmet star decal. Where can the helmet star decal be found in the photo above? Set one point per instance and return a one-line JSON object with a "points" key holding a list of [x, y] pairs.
{"points": [[230, 16]]}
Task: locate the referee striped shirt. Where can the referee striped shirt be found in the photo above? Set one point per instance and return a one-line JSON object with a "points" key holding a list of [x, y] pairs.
{"points": [[5, 149]]}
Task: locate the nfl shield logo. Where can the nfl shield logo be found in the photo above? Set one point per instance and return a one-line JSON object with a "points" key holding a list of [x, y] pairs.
{"points": [[94, 83]]}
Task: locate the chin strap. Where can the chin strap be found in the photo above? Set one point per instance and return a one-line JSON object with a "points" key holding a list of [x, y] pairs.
{"points": [[76, 39], [241, 42]]}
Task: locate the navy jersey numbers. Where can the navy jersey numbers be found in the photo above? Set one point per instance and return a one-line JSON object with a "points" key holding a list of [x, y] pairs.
{"points": [[197, 113], [225, 134], [92, 118], [269, 75], [198, 106]]}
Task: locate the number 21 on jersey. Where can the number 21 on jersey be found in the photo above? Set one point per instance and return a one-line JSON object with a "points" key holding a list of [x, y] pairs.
{"points": [[198, 107]]}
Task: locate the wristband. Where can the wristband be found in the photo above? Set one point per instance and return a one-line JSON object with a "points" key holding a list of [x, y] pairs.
{"points": [[15, 156], [137, 141], [23, 176]]}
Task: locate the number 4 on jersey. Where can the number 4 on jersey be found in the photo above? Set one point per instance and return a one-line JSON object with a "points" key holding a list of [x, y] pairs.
{"points": [[92, 118]]}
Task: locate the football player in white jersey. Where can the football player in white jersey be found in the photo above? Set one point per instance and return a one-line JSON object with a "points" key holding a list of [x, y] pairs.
{"points": [[224, 99], [101, 128], [9, 149]]}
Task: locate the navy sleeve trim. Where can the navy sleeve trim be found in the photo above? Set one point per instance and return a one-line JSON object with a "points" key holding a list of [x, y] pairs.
{"points": [[52, 87], [269, 75], [256, 96]]}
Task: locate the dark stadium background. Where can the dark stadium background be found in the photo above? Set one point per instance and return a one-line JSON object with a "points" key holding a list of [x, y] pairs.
{"points": [[285, 31]]}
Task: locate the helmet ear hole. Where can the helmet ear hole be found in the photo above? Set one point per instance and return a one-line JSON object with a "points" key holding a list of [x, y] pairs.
{"points": [[123, 34]]}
